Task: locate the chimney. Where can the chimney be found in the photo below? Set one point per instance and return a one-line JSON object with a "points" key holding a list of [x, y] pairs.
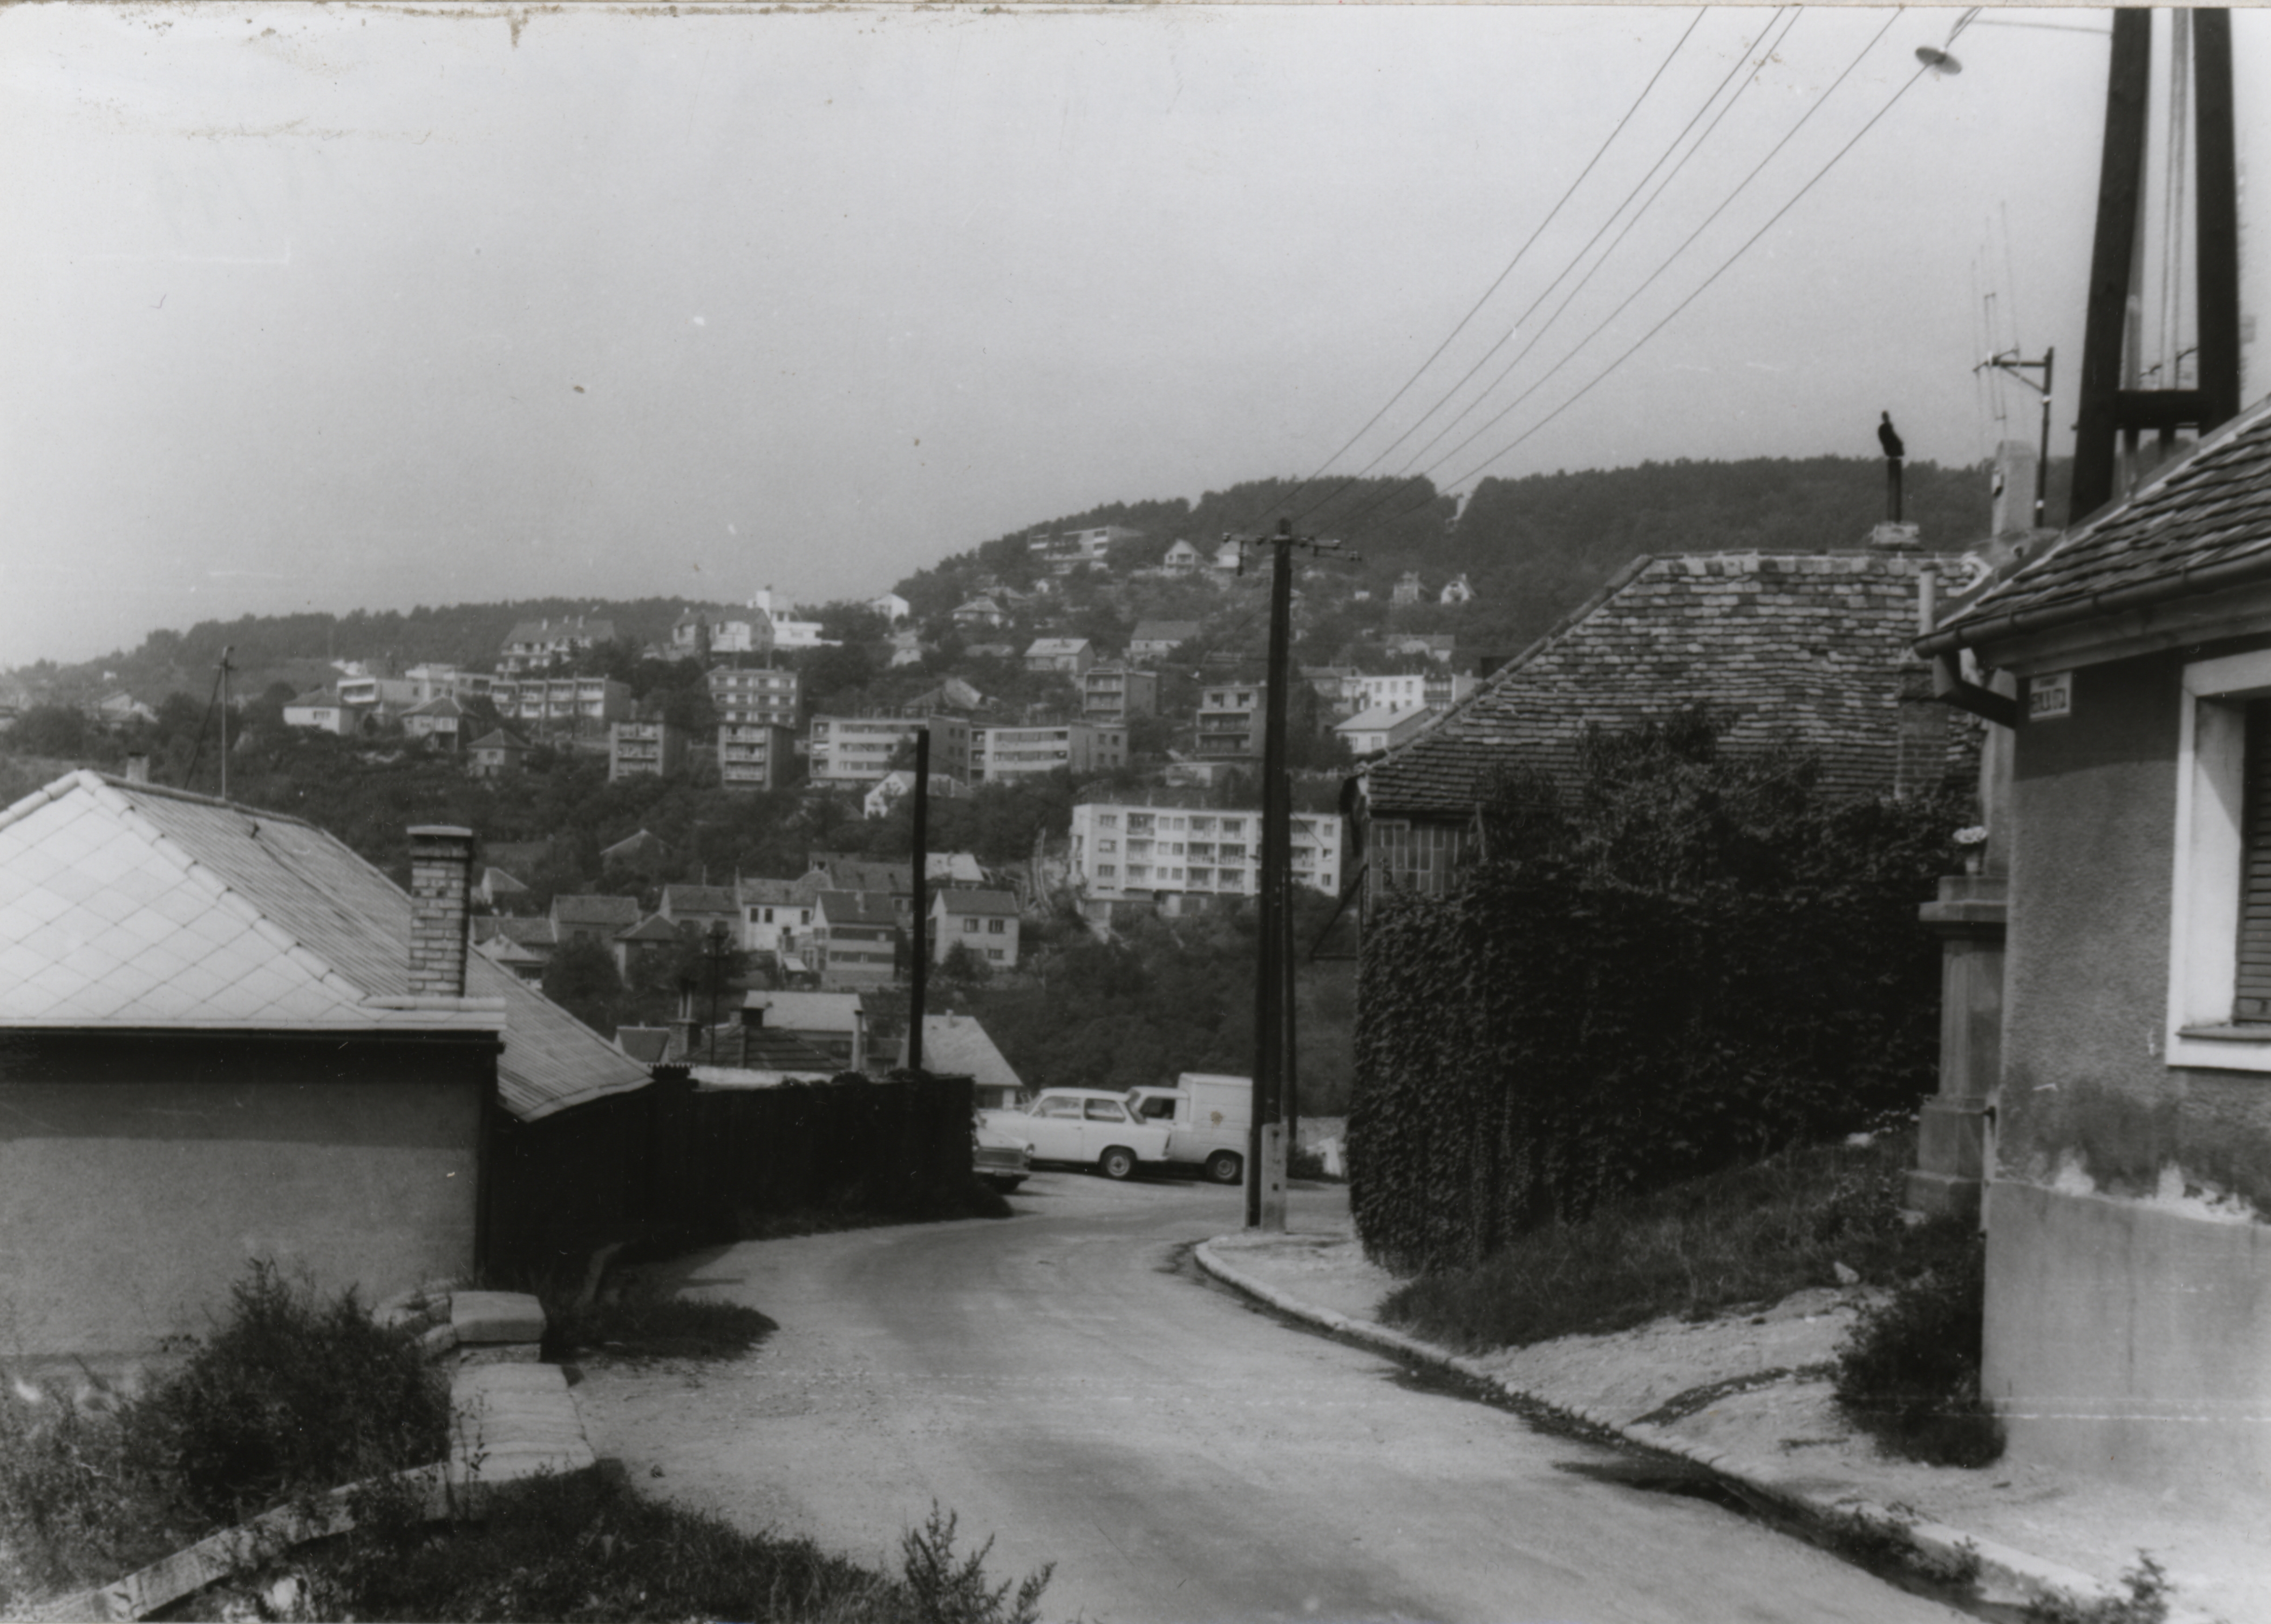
{"points": [[138, 769], [2012, 500], [688, 1023], [441, 874]]}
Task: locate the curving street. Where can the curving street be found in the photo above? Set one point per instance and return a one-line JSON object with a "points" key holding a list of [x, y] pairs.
{"points": [[1066, 1382]]}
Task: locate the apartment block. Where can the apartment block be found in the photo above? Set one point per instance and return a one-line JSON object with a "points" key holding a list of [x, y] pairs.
{"points": [[847, 751], [1000, 754], [1229, 722], [1117, 693], [584, 706], [645, 749], [754, 756], [757, 696], [1158, 850]]}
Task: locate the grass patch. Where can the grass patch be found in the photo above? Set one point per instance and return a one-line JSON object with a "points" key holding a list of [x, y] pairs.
{"points": [[290, 1395], [635, 1317], [590, 1548], [1909, 1374], [1745, 1237]]}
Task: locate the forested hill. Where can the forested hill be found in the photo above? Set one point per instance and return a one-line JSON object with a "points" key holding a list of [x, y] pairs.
{"points": [[1532, 547]]}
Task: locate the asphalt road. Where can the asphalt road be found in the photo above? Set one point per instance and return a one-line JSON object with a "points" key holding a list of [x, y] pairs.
{"points": [[1065, 1383]]}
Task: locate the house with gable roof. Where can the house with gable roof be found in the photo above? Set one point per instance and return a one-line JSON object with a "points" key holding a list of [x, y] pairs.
{"points": [[958, 1044], [984, 922], [855, 937], [2127, 1167], [226, 1037], [1807, 647]]}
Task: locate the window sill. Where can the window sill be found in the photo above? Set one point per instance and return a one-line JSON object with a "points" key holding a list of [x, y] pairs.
{"points": [[2222, 1048]]}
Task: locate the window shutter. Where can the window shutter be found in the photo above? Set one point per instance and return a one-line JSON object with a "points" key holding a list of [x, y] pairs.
{"points": [[2251, 998]]}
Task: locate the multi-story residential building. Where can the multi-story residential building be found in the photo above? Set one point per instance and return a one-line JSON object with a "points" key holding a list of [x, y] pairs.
{"points": [[432, 682], [1171, 848], [1445, 689], [1073, 656], [1229, 722], [637, 749], [787, 632], [754, 756], [1401, 691], [855, 937], [847, 750], [746, 696], [984, 922], [1340, 687], [776, 918], [1116, 693], [532, 645], [1000, 754], [385, 699], [1157, 639], [582, 706]]}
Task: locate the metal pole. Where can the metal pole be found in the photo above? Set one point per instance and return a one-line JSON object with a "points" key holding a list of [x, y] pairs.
{"points": [[922, 978], [2042, 462], [1266, 1181], [225, 650]]}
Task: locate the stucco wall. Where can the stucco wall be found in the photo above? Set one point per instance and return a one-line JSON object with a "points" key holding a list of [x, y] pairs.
{"points": [[132, 1195], [2126, 1259]]}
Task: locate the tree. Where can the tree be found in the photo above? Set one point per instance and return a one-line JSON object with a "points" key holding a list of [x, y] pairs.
{"points": [[50, 730], [965, 966], [582, 979]]}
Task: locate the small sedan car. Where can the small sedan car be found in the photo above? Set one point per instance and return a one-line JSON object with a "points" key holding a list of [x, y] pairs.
{"points": [[1000, 1158], [1085, 1127]]}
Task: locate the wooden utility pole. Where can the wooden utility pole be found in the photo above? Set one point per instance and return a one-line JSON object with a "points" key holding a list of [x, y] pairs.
{"points": [[2109, 410], [1268, 1137], [919, 982]]}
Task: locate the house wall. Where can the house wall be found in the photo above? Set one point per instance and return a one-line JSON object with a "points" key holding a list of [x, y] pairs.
{"points": [[2127, 1306], [359, 1166]]}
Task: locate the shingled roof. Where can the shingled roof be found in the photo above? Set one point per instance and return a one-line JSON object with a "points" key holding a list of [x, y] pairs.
{"points": [[1807, 647], [2199, 524]]}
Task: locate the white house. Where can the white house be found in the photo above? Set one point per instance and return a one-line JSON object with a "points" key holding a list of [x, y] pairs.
{"points": [[984, 922], [1370, 733], [892, 607], [1181, 558]]}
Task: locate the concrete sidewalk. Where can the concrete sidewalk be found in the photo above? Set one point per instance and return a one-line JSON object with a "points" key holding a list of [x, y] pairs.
{"points": [[1748, 1397]]}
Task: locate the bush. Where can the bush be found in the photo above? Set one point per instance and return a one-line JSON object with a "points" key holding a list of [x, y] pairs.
{"points": [[73, 1509], [290, 1396], [1909, 1374]]}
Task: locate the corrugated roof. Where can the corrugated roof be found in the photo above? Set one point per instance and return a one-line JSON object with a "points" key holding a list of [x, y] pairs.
{"points": [[999, 904], [2200, 524], [133, 907], [1809, 647]]}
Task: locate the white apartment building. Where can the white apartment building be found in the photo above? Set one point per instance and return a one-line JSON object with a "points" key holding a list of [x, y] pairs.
{"points": [[1124, 849], [1000, 754], [754, 756], [1404, 692], [847, 750], [752, 698]]}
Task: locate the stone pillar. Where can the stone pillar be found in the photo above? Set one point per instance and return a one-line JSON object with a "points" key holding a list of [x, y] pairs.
{"points": [[1955, 1140]]}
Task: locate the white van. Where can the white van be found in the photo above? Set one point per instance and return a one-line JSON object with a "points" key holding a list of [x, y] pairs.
{"points": [[1209, 1114]]}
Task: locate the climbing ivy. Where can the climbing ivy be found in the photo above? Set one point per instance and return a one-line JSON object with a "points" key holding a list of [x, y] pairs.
{"points": [[1684, 961]]}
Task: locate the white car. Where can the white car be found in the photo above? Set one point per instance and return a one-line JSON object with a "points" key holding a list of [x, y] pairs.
{"points": [[1085, 1127]]}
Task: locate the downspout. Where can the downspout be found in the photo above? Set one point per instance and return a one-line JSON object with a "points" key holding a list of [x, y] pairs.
{"points": [[1948, 683]]}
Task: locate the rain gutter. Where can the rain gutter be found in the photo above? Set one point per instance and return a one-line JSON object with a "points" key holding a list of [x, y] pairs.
{"points": [[2195, 580]]}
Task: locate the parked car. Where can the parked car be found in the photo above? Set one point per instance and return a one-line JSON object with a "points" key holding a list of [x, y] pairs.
{"points": [[1000, 1158], [1208, 1114], [1085, 1127]]}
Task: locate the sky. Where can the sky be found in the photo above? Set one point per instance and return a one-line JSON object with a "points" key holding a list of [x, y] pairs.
{"points": [[361, 306]]}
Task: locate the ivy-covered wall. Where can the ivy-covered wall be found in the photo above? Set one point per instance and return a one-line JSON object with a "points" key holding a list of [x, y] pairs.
{"points": [[1680, 963]]}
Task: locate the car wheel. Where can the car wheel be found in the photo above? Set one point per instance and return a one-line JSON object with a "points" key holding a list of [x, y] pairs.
{"points": [[1116, 1163], [1224, 1167]]}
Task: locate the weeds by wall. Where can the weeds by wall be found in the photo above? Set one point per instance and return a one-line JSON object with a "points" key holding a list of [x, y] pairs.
{"points": [[1679, 963]]}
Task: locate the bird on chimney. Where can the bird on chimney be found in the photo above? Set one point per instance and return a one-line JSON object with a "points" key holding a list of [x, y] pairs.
{"points": [[1889, 437]]}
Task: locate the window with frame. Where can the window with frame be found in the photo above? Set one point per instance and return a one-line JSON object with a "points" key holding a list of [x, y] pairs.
{"points": [[2219, 1012]]}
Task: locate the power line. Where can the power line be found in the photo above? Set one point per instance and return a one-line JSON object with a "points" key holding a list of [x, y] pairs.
{"points": [[1539, 335], [1500, 279], [1742, 58]]}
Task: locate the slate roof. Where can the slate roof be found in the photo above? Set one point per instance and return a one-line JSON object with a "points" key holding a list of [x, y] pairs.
{"points": [[866, 909], [957, 1044], [1809, 647], [2198, 525], [136, 906], [1000, 905], [609, 913]]}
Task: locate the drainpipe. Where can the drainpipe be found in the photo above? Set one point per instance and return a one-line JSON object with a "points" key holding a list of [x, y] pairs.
{"points": [[1949, 684]]}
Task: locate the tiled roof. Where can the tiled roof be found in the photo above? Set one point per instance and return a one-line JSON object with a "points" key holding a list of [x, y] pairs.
{"points": [[2210, 511], [440, 704], [130, 906], [633, 846], [1045, 646], [957, 1045], [777, 892], [527, 932], [985, 903], [1163, 631], [1807, 647], [647, 1044], [654, 927], [862, 908], [807, 1011], [858, 874], [499, 882], [697, 899], [612, 912]]}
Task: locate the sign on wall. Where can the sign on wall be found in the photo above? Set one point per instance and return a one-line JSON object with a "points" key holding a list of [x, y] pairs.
{"points": [[2050, 696]]}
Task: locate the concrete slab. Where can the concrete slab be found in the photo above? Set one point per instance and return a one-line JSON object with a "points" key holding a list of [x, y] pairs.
{"points": [[496, 1316]]}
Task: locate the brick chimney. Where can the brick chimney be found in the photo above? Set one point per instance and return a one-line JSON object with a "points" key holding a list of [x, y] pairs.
{"points": [[138, 769], [441, 874]]}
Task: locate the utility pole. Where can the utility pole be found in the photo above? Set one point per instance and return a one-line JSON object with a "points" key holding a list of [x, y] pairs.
{"points": [[715, 951], [1267, 1145], [2008, 361], [921, 979], [2109, 410], [225, 652]]}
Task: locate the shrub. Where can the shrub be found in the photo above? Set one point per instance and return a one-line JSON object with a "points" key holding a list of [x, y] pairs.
{"points": [[72, 1510], [1909, 1374], [945, 1588], [290, 1395]]}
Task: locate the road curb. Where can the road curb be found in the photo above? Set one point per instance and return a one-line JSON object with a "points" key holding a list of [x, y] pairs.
{"points": [[2004, 1574]]}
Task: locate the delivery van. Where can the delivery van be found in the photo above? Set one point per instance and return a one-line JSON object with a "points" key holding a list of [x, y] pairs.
{"points": [[1208, 1114]]}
